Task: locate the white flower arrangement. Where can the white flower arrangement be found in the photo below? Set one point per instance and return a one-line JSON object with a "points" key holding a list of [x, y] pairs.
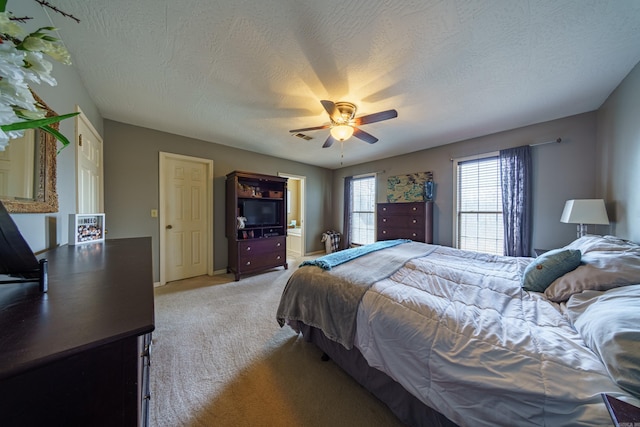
{"points": [[22, 61]]}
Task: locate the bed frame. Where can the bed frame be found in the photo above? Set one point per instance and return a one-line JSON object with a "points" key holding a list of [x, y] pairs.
{"points": [[403, 404]]}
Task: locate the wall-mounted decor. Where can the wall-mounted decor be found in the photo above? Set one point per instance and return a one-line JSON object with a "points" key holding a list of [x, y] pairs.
{"points": [[86, 228], [41, 172], [413, 187]]}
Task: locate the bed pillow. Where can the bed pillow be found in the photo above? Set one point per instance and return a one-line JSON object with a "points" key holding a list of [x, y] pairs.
{"points": [[609, 323], [607, 262], [542, 271], [596, 243]]}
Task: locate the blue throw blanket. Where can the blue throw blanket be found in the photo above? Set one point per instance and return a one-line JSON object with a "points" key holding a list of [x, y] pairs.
{"points": [[327, 262]]}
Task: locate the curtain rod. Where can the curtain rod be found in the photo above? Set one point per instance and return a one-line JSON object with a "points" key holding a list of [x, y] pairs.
{"points": [[557, 140]]}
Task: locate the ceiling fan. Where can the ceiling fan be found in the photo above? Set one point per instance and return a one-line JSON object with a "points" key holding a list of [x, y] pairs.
{"points": [[344, 124]]}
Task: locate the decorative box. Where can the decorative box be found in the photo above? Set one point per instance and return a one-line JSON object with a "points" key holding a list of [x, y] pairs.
{"points": [[86, 228]]}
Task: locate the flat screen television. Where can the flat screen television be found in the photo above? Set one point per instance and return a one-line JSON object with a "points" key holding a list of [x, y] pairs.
{"points": [[261, 212]]}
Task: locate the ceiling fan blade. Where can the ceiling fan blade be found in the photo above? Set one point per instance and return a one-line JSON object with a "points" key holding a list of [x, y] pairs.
{"points": [[331, 109], [366, 137], [376, 117], [311, 128], [329, 142]]}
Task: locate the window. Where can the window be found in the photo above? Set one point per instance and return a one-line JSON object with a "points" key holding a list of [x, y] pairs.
{"points": [[478, 220], [363, 205]]}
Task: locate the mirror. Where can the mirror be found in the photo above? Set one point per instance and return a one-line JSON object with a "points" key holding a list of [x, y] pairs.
{"points": [[28, 171]]}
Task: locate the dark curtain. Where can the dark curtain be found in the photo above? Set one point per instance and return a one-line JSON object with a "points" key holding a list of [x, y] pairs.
{"points": [[346, 226], [515, 175]]}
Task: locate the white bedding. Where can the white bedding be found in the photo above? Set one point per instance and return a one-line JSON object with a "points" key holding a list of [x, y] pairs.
{"points": [[456, 330]]}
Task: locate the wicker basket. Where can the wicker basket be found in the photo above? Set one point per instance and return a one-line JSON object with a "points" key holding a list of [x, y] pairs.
{"points": [[245, 191]]}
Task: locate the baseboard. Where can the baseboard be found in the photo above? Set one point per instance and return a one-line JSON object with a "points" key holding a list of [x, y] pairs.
{"points": [[215, 273]]}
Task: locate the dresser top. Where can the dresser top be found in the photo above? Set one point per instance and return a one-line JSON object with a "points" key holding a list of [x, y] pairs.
{"points": [[98, 293]]}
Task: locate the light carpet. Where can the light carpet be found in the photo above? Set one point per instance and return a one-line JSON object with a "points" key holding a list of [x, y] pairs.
{"points": [[219, 358]]}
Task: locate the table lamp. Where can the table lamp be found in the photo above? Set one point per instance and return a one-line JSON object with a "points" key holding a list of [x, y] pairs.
{"points": [[583, 212]]}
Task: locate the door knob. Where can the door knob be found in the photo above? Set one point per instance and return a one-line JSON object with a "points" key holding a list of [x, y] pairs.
{"points": [[169, 227]]}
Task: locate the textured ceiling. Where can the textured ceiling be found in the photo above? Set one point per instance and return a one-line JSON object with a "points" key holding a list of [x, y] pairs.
{"points": [[243, 72]]}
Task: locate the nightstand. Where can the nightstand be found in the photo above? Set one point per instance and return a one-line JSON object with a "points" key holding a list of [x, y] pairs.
{"points": [[622, 413]]}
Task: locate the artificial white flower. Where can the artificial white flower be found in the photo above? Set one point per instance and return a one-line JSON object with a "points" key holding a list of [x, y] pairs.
{"points": [[54, 49], [4, 140], [9, 27], [11, 62], [22, 61], [16, 93], [38, 69], [7, 115]]}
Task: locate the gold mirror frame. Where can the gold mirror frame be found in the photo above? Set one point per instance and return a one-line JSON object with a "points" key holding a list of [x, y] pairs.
{"points": [[46, 197]]}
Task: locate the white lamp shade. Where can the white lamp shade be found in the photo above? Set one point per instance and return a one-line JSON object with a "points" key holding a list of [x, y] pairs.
{"points": [[341, 132], [585, 211]]}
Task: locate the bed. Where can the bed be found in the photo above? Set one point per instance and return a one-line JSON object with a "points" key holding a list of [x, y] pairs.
{"points": [[451, 337]]}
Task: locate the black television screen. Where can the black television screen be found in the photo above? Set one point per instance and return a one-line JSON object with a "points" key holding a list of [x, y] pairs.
{"points": [[261, 212]]}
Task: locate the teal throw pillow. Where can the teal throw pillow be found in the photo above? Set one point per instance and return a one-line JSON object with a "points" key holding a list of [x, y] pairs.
{"points": [[548, 267]]}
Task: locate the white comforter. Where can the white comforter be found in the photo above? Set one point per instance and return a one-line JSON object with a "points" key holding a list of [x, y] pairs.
{"points": [[456, 330]]}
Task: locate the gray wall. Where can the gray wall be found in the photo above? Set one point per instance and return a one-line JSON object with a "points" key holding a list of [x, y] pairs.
{"points": [[131, 167], [43, 231], [618, 166], [561, 171]]}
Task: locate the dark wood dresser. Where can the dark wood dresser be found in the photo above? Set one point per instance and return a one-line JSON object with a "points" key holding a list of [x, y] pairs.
{"points": [[412, 220], [79, 354]]}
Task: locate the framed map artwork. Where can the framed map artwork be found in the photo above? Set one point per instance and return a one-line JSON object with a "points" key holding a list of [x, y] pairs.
{"points": [[413, 187]]}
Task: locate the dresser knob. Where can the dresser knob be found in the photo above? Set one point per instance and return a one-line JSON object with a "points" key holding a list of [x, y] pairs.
{"points": [[384, 209], [248, 262], [414, 208], [413, 234], [248, 248], [278, 244], [278, 257], [384, 231], [415, 221], [384, 219]]}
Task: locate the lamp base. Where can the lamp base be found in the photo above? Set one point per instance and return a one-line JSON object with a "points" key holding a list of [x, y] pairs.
{"points": [[582, 230]]}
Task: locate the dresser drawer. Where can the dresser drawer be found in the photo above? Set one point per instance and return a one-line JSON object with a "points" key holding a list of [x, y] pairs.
{"points": [[401, 209], [401, 233], [400, 221]]}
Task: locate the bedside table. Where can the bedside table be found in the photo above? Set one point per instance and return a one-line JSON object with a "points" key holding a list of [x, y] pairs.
{"points": [[622, 413]]}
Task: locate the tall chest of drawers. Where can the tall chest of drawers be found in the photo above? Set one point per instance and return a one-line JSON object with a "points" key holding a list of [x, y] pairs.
{"points": [[413, 220]]}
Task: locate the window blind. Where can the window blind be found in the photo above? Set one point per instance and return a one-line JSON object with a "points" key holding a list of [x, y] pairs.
{"points": [[479, 206], [363, 205]]}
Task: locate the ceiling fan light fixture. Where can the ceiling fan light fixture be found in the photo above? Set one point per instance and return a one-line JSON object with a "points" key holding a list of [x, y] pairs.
{"points": [[342, 132]]}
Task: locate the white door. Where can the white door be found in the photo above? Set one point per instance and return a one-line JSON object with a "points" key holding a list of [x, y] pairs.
{"points": [[89, 182], [185, 212]]}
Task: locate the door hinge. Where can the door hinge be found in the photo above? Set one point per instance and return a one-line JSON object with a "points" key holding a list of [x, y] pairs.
{"points": [[80, 140]]}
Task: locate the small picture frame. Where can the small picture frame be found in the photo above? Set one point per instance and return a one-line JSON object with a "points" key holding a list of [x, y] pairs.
{"points": [[86, 228]]}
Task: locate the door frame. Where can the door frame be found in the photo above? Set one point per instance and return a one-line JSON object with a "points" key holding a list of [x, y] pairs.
{"points": [[303, 215], [162, 214], [85, 122]]}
